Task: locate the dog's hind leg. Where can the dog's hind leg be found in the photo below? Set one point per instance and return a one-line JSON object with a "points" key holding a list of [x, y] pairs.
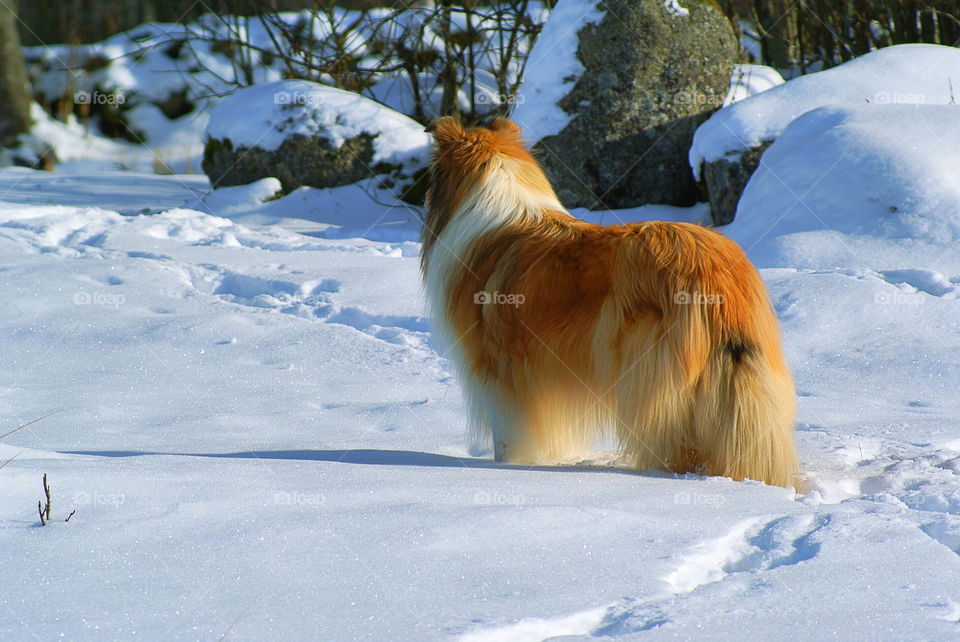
{"points": [[494, 418], [654, 407], [653, 428]]}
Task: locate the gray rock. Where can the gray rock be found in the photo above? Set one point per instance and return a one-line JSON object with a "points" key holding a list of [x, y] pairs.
{"points": [[306, 134], [651, 77], [312, 161], [300, 160], [726, 178]]}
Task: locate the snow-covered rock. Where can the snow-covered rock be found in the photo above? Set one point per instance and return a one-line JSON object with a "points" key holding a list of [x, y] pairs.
{"points": [[727, 148], [236, 200], [266, 115], [304, 133], [903, 74], [867, 185]]}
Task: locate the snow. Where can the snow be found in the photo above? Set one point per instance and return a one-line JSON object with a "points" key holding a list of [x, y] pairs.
{"points": [[123, 192], [173, 146], [553, 58], [260, 423], [749, 80], [902, 74], [265, 115], [396, 92], [674, 9], [905, 215], [262, 438]]}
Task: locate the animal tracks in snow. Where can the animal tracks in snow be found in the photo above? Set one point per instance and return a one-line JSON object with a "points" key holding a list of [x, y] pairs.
{"points": [[926, 483], [923, 484], [750, 546], [275, 293], [313, 299], [927, 281]]}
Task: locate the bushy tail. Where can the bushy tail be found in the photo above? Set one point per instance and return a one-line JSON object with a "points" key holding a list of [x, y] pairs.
{"points": [[744, 413]]}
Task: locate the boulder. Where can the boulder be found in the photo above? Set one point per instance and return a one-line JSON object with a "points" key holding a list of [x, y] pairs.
{"points": [[304, 133], [612, 97], [725, 179], [869, 185], [728, 147]]}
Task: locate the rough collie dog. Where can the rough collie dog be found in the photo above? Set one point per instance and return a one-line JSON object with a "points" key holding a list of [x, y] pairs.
{"points": [[660, 334]]}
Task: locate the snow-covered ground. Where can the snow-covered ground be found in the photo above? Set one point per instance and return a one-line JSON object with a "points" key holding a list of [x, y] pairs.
{"points": [[262, 439]]}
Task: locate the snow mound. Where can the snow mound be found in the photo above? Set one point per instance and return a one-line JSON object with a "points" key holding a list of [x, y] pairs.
{"points": [[239, 199], [544, 84], [265, 115], [903, 74], [867, 185], [750, 80]]}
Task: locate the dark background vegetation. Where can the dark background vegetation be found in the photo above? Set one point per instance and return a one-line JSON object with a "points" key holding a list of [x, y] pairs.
{"points": [[810, 35], [440, 49], [803, 36]]}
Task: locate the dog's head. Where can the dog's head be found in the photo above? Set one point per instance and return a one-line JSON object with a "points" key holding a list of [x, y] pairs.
{"points": [[461, 155], [465, 158]]}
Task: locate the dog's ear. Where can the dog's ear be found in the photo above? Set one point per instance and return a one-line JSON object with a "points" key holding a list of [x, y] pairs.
{"points": [[505, 127], [445, 130]]}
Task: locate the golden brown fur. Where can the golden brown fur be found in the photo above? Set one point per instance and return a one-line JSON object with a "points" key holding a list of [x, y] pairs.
{"points": [[660, 332]]}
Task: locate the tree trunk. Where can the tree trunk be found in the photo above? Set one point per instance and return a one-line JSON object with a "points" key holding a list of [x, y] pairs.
{"points": [[777, 21], [14, 97]]}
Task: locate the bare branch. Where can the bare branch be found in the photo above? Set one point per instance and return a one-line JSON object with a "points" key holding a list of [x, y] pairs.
{"points": [[22, 426]]}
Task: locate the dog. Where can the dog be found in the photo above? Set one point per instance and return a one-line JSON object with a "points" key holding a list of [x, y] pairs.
{"points": [[658, 334]]}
